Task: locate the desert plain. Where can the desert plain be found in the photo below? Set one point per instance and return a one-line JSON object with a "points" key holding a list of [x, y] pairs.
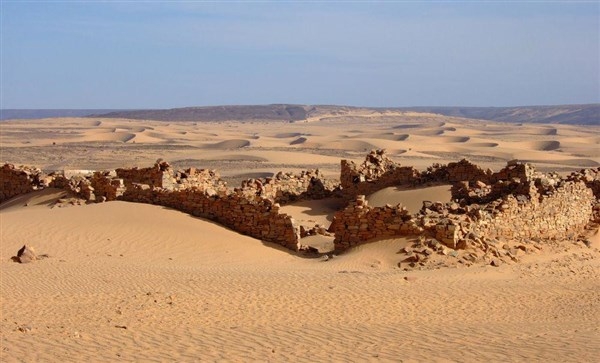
{"points": [[135, 282]]}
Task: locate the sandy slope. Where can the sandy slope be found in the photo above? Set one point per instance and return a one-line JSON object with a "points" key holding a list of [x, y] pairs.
{"points": [[413, 139], [131, 282], [138, 282]]}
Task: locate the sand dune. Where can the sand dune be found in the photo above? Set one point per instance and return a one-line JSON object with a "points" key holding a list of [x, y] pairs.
{"points": [[311, 212], [132, 282], [45, 197], [543, 145], [229, 144], [430, 132], [113, 136], [453, 139], [298, 141], [412, 199], [352, 145], [484, 144], [140, 282], [287, 135], [385, 136], [586, 163], [238, 157]]}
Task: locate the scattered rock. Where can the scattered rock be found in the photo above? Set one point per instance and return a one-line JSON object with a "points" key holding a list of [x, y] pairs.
{"points": [[25, 255], [495, 262]]}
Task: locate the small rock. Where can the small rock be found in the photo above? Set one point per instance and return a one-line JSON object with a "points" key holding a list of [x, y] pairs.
{"points": [[427, 251], [412, 258], [24, 328], [495, 262], [25, 255]]}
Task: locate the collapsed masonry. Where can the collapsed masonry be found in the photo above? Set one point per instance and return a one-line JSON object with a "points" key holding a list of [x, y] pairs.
{"points": [[515, 203], [252, 209]]}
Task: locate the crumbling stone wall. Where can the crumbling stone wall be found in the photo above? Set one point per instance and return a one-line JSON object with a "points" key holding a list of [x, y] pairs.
{"points": [[288, 187], [257, 217], [515, 203], [359, 222], [455, 172], [106, 186], [19, 180], [559, 215], [159, 175], [378, 171], [591, 178]]}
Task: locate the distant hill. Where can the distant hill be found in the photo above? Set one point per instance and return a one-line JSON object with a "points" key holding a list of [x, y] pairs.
{"points": [[560, 114], [219, 113], [14, 113], [563, 114]]}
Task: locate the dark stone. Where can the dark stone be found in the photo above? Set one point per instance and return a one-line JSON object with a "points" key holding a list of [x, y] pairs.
{"points": [[25, 255]]}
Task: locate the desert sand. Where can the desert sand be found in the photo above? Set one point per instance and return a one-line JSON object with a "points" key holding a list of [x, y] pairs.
{"points": [[135, 282]]}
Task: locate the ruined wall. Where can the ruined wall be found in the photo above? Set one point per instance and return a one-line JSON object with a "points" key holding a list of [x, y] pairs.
{"points": [[375, 173], [591, 178], [359, 222], [257, 217], [160, 175], [515, 203], [561, 214], [378, 171], [106, 186], [455, 172], [288, 187], [18, 180]]}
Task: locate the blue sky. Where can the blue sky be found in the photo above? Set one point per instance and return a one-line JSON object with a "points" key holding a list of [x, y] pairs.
{"points": [[135, 54]]}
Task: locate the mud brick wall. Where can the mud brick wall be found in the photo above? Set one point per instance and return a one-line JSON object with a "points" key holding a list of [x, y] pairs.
{"points": [[359, 223], [256, 217], [18, 180], [288, 187]]}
